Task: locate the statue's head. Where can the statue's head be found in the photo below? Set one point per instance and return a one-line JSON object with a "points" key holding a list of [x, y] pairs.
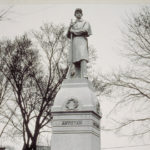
{"points": [[78, 13]]}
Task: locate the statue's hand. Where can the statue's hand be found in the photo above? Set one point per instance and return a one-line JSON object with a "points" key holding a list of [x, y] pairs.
{"points": [[74, 32], [71, 30], [71, 24]]}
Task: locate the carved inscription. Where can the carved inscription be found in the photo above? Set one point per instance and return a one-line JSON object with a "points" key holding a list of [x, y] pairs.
{"points": [[71, 123]]}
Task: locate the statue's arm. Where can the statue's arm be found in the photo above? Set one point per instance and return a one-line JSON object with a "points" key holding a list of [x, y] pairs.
{"points": [[83, 31], [79, 32], [69, 29], [69, 33]]}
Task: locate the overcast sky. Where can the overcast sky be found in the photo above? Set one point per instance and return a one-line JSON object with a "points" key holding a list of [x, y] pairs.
{"points": [[105, 20]]}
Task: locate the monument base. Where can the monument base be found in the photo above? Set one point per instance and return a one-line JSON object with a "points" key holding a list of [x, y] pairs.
{"points": [[75, 131], [76, 117]]}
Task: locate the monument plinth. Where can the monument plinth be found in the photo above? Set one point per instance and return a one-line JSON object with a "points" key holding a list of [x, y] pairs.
{"points": [[76, 114], [76, 117], [76, 95]]}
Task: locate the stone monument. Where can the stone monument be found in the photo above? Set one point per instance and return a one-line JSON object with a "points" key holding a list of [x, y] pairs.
{"points": [[76, 112]]}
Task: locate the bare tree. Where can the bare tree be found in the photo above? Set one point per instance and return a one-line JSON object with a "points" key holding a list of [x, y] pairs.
{"points": [[132, 85], [4, 13], [3, 101], [4, 85], [34, 87], [17, 66], [5, 114], [53, 42]]}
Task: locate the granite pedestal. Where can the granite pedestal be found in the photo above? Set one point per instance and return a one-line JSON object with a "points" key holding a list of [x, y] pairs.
{"points": [[76, 117]]}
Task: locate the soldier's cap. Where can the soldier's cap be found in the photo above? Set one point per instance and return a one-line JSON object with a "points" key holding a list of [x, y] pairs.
{"points": [[78, 10]]}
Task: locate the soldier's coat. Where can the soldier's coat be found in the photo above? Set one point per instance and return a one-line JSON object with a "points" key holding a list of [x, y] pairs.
{"points": [[82, 30]]}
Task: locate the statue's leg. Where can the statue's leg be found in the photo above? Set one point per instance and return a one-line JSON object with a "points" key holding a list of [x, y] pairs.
{"points": [[71, 71], [84, 69], [77, 70]]}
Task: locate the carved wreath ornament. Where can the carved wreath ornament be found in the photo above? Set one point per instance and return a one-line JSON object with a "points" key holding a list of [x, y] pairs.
{"points": [[72, 104]]}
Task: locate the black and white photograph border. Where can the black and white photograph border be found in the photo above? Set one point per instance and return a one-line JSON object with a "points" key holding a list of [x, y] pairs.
{"points": [[35, 69]]}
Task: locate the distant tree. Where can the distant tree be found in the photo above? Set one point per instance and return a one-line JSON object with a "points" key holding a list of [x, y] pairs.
{"points": [[132, 86]]}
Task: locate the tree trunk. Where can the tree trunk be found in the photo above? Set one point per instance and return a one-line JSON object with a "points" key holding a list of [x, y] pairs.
{"points": [[33, 145], [25, 147], [29, 147]]}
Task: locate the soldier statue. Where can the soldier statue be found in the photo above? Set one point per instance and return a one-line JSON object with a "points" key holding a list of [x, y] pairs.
{"points": [[78, 32]]}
